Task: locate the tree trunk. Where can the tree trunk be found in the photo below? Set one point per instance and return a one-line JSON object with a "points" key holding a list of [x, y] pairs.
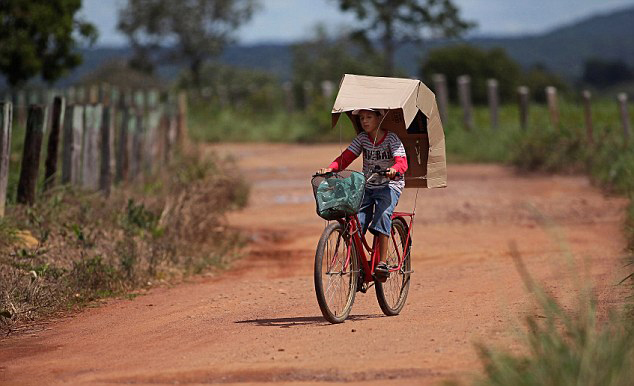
{"points": [[196, 68], [388, 48]]}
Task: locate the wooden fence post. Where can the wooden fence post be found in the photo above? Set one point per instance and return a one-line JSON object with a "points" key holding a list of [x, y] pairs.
{"points": [[6, 120], [31, 155], [90, 146], [289, 98], [522, 93], [494, 101], [442, 95], [71, 153], [464, 94], [182, 134], [20, 107], [625, 116], [136, 148], [107, 149], [587, 114], [93, 94], [52, 153], [553, 108], [104, 94], [152, 138], [126, 130], [70, 95], [307, 89]]}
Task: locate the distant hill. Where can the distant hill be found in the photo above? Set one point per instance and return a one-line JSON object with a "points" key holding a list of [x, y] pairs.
{"points": [[563, 50]]}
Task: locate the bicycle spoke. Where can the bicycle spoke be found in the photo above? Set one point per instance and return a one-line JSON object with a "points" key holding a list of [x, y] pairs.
{"points": [[336, 280]]}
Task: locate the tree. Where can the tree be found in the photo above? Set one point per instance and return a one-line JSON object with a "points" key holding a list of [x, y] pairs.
{"points": [[326, 57], [603, 73], [456, 60], [195, 30], [394, 22], [37, 38]]}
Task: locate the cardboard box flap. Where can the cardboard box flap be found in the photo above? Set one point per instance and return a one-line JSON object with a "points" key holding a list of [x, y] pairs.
{"points": [[412, 115]]}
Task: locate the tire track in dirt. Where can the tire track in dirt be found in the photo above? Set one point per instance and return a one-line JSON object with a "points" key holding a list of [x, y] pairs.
{"points": [[260, 323]]}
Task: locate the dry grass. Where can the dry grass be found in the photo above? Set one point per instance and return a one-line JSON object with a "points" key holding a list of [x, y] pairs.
{"points": [[84, 246]]}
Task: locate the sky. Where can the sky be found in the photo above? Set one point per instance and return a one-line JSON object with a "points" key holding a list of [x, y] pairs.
{"points": [[292, 20]]}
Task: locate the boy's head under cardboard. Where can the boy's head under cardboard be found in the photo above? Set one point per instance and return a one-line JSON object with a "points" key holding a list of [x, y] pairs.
{"points": [[412, 114]]}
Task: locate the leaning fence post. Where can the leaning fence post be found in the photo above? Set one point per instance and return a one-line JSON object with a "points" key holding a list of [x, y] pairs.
{"points": [[6, 120], [71, 147], [625, 117], [442, 95], [90, 147], [464, 94], [522, 93], [553, 108], [53, 143], [587, 114], [31, 155], [494, 101]]}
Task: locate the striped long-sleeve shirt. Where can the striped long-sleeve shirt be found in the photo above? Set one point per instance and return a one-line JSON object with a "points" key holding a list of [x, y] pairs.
{"points": [[386, 152]]}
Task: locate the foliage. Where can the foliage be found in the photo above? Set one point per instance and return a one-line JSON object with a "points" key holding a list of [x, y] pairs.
{"points": [[253, 91], [199, 29], [327, 57], [119, 74], [565, 347], [601, 73], [537, 78], [397, 21], [39, 37], [481, 65]]}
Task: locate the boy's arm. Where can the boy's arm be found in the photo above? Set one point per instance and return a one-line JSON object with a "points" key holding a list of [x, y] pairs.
{"points": [[400, 157], [343, 161], [400, 164]]}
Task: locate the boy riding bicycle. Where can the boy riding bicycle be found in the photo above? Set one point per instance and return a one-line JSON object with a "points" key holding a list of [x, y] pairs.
{"points": [[384, 150]]}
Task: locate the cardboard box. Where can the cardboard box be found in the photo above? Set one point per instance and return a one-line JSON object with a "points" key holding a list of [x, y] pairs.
{"points": [[412, 115]]}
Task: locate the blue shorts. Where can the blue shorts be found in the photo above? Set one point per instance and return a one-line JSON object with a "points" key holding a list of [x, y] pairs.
{"points": [[378, 204]]}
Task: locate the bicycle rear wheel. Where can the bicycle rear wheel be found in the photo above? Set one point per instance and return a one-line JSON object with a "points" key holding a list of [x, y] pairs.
{"points": [[335, 279], [393, 293]]}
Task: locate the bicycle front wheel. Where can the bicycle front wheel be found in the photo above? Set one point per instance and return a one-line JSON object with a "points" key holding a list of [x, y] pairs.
{"points": [[335, 274], [393, 293]]}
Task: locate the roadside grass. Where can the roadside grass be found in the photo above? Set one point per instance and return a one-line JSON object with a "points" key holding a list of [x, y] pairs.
{"points": [[575, 346], [73, 247]]}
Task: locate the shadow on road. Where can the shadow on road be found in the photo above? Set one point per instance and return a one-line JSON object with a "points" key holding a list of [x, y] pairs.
{"points": [[301, 321]]}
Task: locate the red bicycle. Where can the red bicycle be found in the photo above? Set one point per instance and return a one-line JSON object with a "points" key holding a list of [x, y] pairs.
{"points": [[345, 264]]}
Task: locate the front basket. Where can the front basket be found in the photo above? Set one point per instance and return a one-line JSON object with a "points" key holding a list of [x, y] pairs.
{"points": [[339, 194]]}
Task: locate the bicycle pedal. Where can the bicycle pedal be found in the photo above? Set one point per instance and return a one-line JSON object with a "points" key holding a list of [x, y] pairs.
{"points": [[381, 277]]}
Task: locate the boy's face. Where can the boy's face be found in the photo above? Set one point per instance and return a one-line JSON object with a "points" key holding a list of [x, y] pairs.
{"points": [[370, 121]]}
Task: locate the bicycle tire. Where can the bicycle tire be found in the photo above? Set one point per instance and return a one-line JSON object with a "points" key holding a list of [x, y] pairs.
{"points": [[392, 294], [335, 306]]}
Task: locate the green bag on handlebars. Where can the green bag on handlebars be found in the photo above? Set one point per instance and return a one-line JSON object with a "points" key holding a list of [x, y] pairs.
{"points": [[338, 194]]}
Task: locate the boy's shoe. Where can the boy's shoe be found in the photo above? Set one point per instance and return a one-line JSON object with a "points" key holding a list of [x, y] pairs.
{"points": [[381, 272]]}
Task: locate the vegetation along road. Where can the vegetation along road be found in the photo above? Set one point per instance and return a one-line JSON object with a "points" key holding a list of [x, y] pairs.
{"points": [[260, 323]]}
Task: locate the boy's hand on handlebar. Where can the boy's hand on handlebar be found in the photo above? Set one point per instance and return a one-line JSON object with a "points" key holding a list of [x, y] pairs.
{"points": [[391, 173], [324, 170]]}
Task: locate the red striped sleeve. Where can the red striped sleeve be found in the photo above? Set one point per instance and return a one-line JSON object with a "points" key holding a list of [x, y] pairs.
{"points": [[400, 164], [344, 160]]}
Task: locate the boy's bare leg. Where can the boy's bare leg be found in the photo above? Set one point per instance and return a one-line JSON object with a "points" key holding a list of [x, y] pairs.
{"points": [[383, 243]]}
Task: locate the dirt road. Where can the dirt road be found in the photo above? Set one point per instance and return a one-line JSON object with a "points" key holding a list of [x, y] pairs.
{"points": [[260, 323]]}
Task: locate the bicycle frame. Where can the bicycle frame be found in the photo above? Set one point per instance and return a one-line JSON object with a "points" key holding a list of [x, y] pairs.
{"points": [[361, 245]]}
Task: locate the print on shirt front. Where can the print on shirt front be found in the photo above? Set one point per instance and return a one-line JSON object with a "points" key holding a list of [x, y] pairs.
{"points": [[382, 154]]}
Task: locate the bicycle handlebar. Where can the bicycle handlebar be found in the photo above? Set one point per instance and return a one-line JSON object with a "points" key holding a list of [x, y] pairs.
{"points": [[381, 172]]}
